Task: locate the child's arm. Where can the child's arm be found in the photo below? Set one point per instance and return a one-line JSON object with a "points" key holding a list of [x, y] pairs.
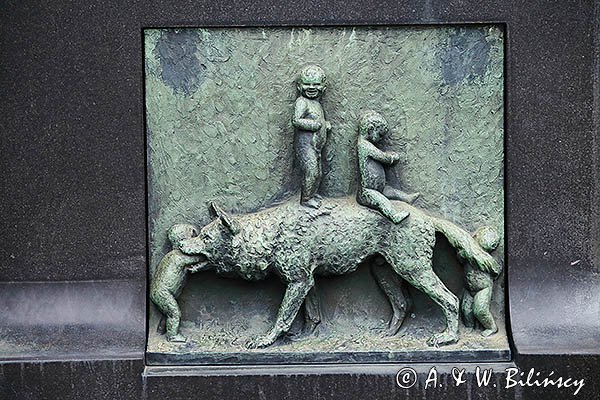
{"points": [[467, 249], [194, 268], [188, 262], [303, 123], [370, 150]]}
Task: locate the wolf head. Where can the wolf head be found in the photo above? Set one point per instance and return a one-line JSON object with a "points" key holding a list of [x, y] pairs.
{"points": [[213, 239]]}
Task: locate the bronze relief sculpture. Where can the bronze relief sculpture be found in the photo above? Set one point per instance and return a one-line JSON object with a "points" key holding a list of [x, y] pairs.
{"points": [[297, 244], [310, 232]]}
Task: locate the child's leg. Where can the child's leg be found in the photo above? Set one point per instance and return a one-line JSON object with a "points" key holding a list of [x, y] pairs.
{"points": [[167, 304], [397, 194], [162, 326], [317, 183], [374, 199], [466, 308], [310, 166], [481, 310]]}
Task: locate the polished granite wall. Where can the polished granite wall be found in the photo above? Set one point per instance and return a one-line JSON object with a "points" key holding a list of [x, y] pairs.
{"points": [[73, 197]]}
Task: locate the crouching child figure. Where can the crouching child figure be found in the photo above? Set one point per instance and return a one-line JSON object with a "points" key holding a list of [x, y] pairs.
{"points": [[170, 278]]}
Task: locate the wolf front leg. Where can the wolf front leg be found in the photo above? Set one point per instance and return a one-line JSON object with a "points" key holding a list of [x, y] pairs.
{"points": [[312, 311], [295, 294]]}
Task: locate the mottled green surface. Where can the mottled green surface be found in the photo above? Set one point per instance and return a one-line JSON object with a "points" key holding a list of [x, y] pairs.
{"points": [[219, 107]]}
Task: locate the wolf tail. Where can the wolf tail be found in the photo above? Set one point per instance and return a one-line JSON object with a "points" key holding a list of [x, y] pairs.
{"points": [[468, 247]]}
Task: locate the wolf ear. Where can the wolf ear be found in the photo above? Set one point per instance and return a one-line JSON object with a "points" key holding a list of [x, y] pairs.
{"points": [[228, 221]]}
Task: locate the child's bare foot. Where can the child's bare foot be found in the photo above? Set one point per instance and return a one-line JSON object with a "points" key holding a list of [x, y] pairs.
{"points": [[399, 216], [410, 198]]}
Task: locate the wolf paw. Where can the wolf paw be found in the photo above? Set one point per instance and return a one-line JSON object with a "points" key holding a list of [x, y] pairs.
{"points": [[178, 338], [261, 342], [489, 332], [442, 339]]}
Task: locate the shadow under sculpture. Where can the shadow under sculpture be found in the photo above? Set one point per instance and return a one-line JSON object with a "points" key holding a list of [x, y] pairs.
{"points": [[298, 240]]}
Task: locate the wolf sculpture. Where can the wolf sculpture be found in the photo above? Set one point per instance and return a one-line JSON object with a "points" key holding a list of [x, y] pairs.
{"points": [[297, 243]]}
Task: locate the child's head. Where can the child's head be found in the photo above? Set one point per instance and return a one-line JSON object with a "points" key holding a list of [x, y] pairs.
{"points": [[180, 232], [312, 82], [372, 126], [488, 238]]}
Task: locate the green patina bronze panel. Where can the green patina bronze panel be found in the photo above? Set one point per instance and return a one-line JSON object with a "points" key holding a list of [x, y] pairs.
{"points": [[222, 129]]}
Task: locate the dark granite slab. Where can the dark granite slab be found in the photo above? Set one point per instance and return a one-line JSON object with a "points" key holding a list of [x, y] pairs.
{"points": [[72, 194]]}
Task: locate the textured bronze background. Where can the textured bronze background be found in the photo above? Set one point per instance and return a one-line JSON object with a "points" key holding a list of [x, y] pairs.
{"points": [[220, 101]]}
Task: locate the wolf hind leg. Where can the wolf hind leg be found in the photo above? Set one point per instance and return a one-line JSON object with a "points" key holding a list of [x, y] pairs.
{"points": [[395, 290], [422, 277]]}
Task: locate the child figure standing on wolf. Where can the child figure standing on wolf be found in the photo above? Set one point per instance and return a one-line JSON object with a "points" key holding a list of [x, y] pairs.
{"points": [[373, 191], [311, 130], [170, 277]]}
